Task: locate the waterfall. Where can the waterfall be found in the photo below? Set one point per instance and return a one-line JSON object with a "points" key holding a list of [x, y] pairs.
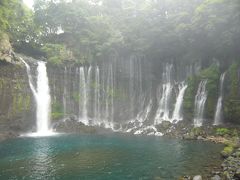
{"points": [[131, 86], [65, 92], [30, 80], [83, 96], [43, 100], [112, 94], [109, 110], [164, 104], [200, 100], [177, 114], [42, 97], [143, 115], [88, 91], [218, 112], [97, 96], [107, 99]]}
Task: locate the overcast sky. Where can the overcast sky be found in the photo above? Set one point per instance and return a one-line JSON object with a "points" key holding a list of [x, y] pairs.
{"points": [[29, 3]]}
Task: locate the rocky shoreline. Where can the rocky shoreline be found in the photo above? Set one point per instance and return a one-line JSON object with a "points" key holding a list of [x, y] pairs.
{"points": [[229, 170], [230, 155]]}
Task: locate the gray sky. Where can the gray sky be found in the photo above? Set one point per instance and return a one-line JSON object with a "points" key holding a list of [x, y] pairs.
{"points": [[29, 3]]}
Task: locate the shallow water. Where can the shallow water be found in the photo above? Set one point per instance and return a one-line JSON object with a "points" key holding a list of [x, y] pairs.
{"points": [[104, 157]]}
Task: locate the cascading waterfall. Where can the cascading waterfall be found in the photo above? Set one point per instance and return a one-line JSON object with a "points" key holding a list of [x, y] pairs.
{"points": [[88, 91], [200, 100], [114, 96], [65, 92], [30, 80], [164, 109], [83, 96], [218, 112], [177, 113], [109, 90], [43, 100], [42, 97], [107, 95], [90, 99], [131, 86], [97, 96], [143, 115]]}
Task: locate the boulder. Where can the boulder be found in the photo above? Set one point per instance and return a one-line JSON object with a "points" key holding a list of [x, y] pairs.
{"points": [[200, 138], [198, 177], [237, 174], [216, 177]]}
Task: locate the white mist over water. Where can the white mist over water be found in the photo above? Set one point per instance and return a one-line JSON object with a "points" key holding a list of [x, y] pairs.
{"points": [[43, 99], [200, 100], [218, 113]]}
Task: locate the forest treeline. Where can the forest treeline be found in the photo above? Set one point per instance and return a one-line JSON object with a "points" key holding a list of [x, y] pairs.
{"points": [[89, 30]]}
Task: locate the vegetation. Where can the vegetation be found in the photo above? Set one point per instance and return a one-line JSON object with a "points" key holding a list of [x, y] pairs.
{"points": [[55, 53], [212, 75], [57, 111], [227, 151], [222, 131], [82, 30]]}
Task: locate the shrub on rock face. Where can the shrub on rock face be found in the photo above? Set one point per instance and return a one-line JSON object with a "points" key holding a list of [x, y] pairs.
{"points": [[56, 53], [222, 131]]}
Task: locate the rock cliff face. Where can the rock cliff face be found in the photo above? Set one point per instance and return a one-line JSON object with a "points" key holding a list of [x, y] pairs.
{"points": [[131, 94], [16, 104]]}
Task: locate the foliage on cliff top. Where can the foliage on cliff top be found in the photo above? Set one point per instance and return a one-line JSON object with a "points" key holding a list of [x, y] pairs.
{"points": [[17, 20], [91, 30], [56, 53], [169, 29]]}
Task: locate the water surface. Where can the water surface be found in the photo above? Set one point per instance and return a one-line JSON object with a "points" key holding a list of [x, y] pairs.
{"points": [[104, 157]]}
